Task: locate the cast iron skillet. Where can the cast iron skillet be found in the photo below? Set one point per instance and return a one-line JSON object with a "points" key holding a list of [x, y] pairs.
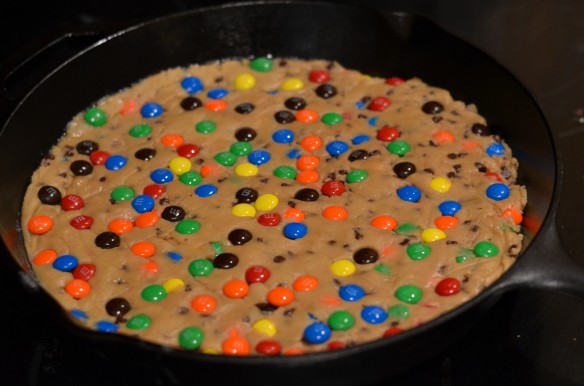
{"points": [[382, 45]]}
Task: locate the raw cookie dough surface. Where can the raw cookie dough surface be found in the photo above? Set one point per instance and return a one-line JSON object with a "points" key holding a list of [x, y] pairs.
{"points": [[272, 206]]}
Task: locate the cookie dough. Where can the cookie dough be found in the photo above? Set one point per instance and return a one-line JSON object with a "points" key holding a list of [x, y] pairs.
{"points": [[272, 206]]}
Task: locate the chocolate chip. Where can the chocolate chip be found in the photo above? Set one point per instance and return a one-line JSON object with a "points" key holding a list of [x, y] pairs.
{"points": [[225, 261], [307, 194], [432, 107], [452, 155], [190, 103], [49, 195], [81, 168], [239, 236], [358, 235], [266, 308], [480, 167], [173, 213], [279, 259], [295, 103], [245, 134], [289, 311], [437, 119], [107, 240], [366, 256], [326, 91], [480, 129]]}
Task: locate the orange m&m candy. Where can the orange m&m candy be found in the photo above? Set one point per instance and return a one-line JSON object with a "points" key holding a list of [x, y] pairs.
{"points": [[120, 225], [39, 225], [305, 283], [307, 162], [236, 345], [335, 212], [235, 289], [203, 303], [143, 249], [280, 296], [78, 288], [45, 257], [384, 222]]}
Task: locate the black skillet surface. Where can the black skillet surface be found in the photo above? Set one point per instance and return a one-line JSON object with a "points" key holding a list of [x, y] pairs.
{"points": [[426, 77]]}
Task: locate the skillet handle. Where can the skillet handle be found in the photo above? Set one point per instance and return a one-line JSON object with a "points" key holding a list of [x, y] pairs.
{"points": [[548, 266], [23, 71]]}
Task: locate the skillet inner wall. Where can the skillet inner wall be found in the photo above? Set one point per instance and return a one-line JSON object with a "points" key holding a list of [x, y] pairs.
{"points": [[397, 45]]}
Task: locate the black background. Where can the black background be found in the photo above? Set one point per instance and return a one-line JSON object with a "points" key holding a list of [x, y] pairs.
{"points": [[530, 337]]}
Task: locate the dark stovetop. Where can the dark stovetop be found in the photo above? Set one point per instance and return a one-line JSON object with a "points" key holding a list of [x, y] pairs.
{"points": [[530, 337]]}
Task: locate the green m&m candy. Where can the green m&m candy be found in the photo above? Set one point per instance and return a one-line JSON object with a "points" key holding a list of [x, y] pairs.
{"points": [[399, 148], [409, 294], [191, 178], [188, 226], [240, 148], [200, 267], [485, 249], [341, 320], [225, 158], [154, 293], [332, 118], [140, 130], [206, 127], [399, 311], [122, 193], [95, 117], [261, 64], [139, 322], [285, 172], [418, 251], [190, 338], [357, 176]]}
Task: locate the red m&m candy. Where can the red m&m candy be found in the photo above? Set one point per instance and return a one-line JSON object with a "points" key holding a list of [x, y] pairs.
{"points": [[257, 274], [188, 150], [99, 157], [448, 286], [84, 272], [379, 103], [72, 202], [319, 76], [388, 134], [269, 219], [333, 188], [81, 222]]}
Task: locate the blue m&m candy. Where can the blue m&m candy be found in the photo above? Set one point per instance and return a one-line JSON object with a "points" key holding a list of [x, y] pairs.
{"points": [[498, 191], [294, 154], [206, 190], [79, 314], [161, 176], [192, 84], [258, 157], [336, 148], [360, 105], [143, 203], [449, 208], [174, 256], [116, 162], [373, 314], [151, 110], [495, 149], [217, 93], [372, 121], [316, 333], [409, 193], [106, 326], [295, 230], [65, 263], [359, 139], [283, 136], [351, 292]]}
